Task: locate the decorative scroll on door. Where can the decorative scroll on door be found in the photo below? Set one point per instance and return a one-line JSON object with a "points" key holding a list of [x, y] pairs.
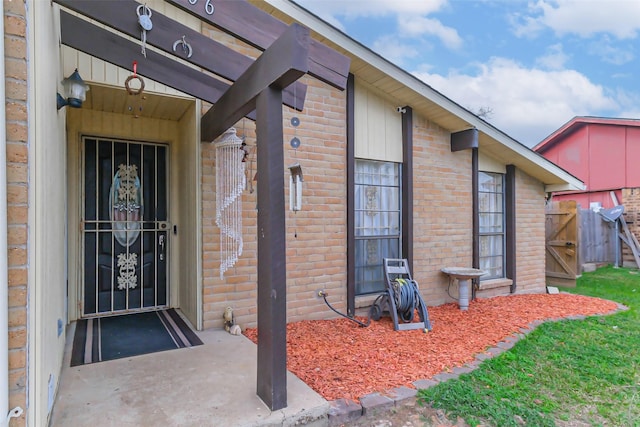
{"points": [[125, 199]]}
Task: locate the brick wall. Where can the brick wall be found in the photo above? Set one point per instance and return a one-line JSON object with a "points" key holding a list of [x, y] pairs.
{"points": [[442, 209], [17, 197], [316, 258], [530, 234]]}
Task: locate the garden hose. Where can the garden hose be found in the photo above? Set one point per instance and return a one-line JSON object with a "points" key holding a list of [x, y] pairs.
{"points": [[353, 319], [406, 298]]}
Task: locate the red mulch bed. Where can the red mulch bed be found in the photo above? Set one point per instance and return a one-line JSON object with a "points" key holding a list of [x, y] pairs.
{"points": [[339, 359]]}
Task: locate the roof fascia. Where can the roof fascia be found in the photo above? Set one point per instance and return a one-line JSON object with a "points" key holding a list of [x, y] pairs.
{"points": [[554, 188]]}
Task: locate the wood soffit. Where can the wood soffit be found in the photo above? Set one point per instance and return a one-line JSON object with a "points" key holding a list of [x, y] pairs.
{"points": [[116, 100]]}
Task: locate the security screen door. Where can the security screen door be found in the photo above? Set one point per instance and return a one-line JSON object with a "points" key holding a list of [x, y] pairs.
{"points": [[124, 226]]}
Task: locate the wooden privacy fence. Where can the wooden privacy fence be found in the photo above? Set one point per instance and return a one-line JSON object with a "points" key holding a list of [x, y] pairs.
{"points": [[597, 238], [575, 236]]}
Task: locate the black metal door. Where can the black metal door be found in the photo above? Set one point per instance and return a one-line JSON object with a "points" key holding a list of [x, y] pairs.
{"points": [[125, 228]]}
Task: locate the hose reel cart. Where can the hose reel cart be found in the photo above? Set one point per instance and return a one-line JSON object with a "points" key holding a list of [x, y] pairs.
{"points": [[401, 298]]}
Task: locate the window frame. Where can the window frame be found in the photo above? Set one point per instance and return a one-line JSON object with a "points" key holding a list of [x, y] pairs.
{"points": [[358, 237], [407, 188], [502, 232]]}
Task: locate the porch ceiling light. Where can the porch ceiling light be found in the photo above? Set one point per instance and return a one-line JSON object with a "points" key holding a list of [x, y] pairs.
{"points": [[75, 91]]}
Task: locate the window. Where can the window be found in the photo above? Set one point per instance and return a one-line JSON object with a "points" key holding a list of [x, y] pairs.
{"points": [[492, 220], [377, 222]]}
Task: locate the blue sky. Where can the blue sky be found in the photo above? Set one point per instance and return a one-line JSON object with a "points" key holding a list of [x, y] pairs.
{"points": [[533, 65]]}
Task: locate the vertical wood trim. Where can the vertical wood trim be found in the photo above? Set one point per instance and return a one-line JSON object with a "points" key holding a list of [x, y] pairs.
{"points": [[476, 216], [407, 186], [272, 302], [510, 223], [351, 235]]}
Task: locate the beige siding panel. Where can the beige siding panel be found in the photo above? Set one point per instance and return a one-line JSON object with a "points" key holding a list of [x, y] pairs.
{"points": [[377, 143], [378, 126], [188, 241], [393, 133], [174, 13], [98, 72], [46, 251], [110, 74], [489, 164], [361, 125]]}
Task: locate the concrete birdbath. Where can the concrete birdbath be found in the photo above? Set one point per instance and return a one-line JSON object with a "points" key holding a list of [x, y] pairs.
{"points": [[463, 275]]}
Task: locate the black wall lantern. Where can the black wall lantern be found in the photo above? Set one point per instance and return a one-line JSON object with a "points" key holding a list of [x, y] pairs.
{"points": [[75, 91]]}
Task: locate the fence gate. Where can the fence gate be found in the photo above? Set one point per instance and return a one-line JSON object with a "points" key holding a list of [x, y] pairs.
{"points": [[561, 243]]}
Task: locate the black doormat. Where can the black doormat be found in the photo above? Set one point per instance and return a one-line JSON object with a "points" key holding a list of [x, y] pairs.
{"points": [[114, 337]]}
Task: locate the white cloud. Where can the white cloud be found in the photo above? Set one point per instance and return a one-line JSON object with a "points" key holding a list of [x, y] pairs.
{"points": [[555, 58], [620, 18], [363, 8], [610, 52], [629, 103], [528, 104], [389, 48], [416, 25], [411, 16]]}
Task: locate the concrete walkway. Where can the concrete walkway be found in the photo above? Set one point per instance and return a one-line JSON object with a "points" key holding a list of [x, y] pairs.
{"points": [[209, 385]]}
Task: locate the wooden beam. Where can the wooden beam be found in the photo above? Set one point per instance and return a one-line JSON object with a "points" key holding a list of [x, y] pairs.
{"points": [[259, 29], [464, 140], [82, 35], [272, 265], [283, 63], [206, 52]]}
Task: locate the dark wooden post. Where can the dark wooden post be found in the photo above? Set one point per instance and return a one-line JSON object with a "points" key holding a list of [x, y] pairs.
{"points": [[272, 291], [407, 185], [510, 225]]}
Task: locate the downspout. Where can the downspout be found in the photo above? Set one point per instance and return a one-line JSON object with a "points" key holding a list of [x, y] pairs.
{"points": [[4, 251]]}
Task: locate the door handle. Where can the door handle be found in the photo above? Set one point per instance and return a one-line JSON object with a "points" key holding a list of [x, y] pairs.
{"points": [[161, 243]]}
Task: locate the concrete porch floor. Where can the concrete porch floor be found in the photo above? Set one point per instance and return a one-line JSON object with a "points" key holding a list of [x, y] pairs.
{"points": [[209, 385]]}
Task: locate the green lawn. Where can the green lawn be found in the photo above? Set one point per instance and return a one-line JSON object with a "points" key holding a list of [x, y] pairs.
{"points": [[563, 373]]}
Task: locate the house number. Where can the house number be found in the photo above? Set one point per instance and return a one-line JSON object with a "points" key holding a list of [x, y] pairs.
{"points": [[208, 6]]}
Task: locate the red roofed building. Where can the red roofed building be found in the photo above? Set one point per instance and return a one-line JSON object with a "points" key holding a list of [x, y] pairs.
{"points": [[602, 152]]}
